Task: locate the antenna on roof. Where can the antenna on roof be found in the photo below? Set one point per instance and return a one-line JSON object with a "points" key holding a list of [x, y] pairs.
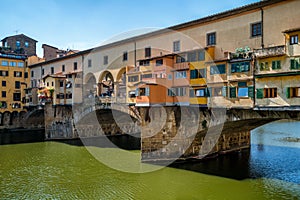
{"points": [[17, 31]]}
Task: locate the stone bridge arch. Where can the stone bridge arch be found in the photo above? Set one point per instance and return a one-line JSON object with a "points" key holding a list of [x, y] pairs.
{"points": [[232, 135]]}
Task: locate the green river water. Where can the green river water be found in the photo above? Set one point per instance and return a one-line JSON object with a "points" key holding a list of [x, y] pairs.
{"points": [[53, 170]]}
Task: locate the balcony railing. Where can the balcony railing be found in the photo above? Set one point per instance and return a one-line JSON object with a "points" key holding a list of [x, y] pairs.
{"points": [[270, 51]]}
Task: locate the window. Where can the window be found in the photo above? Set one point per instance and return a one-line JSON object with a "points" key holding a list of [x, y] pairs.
{"points": [[201, 55], [60, 96], [192, 56], [181, 91], [200, 93], [105, 60], [264, 66], [20, 64], [17, 84], [171, 92], [240, 67], [52, 70], [143, 76], [89, 63], [276, 64], [293, 92], [270, 92], [32, 73], [17, 74], [69, 96], [26, 75], [18, 44], [3, 83], [181, 58], [198, 73], [3, 104], [295, 63], [218, 91], [75, 66], [211, 39], [181, 74], [218, 69], [17, 96], [125, 56], [170, 77], [176, 46], [47, 84], [148, 52], [52, 83], [4, 63], [133, 78], [61, 83], [63, 68], [43, 71], [256, 29], [144, 62], [12, 64], [294, 39], [3, 73], [242, 89], [3, 94], [159, 62], [26, 44], [69, 84]]}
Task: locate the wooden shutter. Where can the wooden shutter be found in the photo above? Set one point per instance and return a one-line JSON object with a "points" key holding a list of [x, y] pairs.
{"points": [[251, 91]]}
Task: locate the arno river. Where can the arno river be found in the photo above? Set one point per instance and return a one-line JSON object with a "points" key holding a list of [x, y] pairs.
{"points": [[52, 170]]}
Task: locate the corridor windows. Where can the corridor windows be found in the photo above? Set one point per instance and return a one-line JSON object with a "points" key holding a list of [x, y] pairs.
{"points": [[181, 74], [198, 73], [293, 92], [217, 69], [256, 29], [133, 78], [294, 39], [159, 62], [148, 52], [211, 39], [264, 66], [295, 63], [276, 64], [240, 67], [266, 93], [176, 46]]}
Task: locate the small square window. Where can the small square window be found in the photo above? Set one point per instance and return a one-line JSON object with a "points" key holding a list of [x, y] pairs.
{"points": [[75, 66], [89, 63], [3, 83], [26, 44], [294, 39], [176, 46], [211, 39], [3, 94], [63, 68], [256, 29]]}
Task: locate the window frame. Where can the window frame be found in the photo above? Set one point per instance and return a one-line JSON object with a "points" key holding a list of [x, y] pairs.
{"points": [[211, 38], [254, 29], [176, 46]]}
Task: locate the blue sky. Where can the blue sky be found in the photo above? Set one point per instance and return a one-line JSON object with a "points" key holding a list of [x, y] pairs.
{"points": [[86, 24]]}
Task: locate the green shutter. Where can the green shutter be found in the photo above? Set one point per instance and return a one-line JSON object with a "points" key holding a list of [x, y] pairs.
{"points": [[232, 92], [147, 91], [224, 91], [293, 64], [251, 91], [260, 93], [288, 92]]}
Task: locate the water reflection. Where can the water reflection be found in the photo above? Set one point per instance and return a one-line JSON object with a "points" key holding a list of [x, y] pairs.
{"points": [[270, 156]]}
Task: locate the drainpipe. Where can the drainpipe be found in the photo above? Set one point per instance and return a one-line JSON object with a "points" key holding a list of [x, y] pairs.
{"points": [[135, 54], [82, 77], [262, 28]]}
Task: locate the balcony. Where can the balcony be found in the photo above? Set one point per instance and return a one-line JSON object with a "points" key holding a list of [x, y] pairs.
{"points": [[159, 81], [182, 66], [270, 51]]}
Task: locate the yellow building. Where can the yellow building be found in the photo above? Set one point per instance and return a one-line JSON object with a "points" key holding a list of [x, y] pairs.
{"points": [[14, 81]]}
